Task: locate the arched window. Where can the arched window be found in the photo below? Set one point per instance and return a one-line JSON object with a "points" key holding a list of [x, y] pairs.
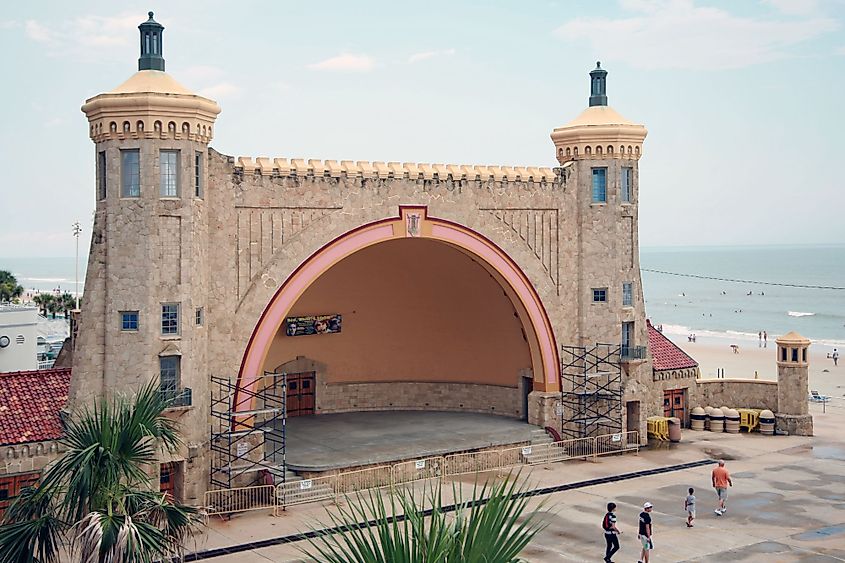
{"points": [[609, 149], [157, 126], [113, 127], [139, 127], [171, 127], [598, 150], [126, 127], [587, 150], [568, 151]]}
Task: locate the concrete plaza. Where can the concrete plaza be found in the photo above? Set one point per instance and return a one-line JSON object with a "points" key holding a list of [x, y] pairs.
{"points": [[787, 503]]}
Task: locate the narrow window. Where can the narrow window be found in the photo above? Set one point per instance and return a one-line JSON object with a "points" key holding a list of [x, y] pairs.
{"points": [[129, 320], [198, 320], [599, 294], [169, 375], [627, 183], [627, 338], [627, 294], [169, 172], [599, 185], [198, 174], [169, 318], [794, 354], [783, 354], [130, 173], [101, 175]]}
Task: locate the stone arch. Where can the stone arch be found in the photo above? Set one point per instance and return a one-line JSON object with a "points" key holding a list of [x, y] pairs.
{"points": [[514, 282], [568, 152], [139, 126], [171, 127], [126, 127], [609, 149], [637, 150], [113, 127], [186, 129], [588, 150], [157, 126], [630, 150], [598, 150]]}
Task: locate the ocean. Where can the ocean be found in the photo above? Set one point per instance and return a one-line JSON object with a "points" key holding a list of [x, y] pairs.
{"points": [[709, 307], [682, 305]]}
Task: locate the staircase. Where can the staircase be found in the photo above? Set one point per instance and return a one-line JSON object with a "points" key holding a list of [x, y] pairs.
{"points": [[539, 437]]}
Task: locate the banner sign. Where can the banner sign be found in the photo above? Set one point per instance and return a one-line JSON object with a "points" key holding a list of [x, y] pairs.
{"points": [[316, 324]]}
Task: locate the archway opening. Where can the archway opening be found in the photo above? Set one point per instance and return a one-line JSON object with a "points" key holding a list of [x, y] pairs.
{"points": [[422, 325]]}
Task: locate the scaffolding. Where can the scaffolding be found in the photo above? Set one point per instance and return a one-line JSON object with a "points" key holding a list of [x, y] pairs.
{"points": [[248, 431], [591, 385]]}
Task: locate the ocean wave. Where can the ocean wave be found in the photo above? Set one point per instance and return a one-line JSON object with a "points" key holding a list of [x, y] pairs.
{"points": [[50, 280], [799, 314], [680, 330]]}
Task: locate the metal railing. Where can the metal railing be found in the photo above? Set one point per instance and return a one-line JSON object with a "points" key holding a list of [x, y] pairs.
{"points": [[46, 364], [330, 487], [628, 353], [241, 499]]}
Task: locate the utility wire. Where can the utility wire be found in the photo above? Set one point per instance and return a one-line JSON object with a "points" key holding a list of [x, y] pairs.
{"points": [[802, 286]]}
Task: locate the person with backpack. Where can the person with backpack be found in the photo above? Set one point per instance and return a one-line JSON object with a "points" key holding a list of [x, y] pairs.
{"points": [[611, 532], [645, 533]]}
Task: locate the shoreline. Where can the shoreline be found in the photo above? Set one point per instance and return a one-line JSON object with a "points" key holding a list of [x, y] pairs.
{"points": [[713, 353]]}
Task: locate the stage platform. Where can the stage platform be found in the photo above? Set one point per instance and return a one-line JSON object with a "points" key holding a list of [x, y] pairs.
{"points": [[333, 441]]}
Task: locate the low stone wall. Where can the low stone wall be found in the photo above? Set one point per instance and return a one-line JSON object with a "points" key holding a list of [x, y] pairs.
{"points": [[413, 395], [735, 393]]}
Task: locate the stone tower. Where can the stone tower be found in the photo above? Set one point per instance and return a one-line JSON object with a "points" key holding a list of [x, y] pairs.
{"points": [[793, 412], [600, 151], [143, 314]]}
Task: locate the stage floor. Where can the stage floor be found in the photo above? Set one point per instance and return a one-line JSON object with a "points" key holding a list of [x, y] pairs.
{"points": [[332, 441]]}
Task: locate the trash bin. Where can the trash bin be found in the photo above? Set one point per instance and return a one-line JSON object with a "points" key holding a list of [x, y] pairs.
{"points": [[717, 421], [674, 429], [697, 418], [731, 421], [767, 423]]}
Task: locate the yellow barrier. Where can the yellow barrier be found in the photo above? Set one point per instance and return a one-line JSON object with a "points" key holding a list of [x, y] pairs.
{"points": [[658, 426], [749, 419], [241, 499], [416, 470], [519, 455]]}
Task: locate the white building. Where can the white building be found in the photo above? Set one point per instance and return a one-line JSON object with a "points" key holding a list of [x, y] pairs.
{"points": [[18, 338]]}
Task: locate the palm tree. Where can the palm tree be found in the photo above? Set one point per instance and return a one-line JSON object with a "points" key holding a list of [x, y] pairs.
{"points": [[9, 287], [96, 501], [43, 301], [493, 526], [68, 303]]}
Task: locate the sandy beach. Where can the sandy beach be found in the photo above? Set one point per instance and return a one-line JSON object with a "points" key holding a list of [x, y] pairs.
{"points": [[713, 353]]}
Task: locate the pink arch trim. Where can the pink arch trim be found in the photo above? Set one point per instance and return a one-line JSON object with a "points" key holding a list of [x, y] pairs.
{"points": [[366, 235]]}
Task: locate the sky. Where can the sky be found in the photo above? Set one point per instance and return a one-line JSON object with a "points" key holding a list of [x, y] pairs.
{"points": [[742, 99]]}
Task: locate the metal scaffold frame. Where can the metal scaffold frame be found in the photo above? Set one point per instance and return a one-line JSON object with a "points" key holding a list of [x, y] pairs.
{"points": [[591, 385], [258, 420]]}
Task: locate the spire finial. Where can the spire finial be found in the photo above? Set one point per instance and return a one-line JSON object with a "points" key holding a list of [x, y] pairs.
{"points": [[598, 86], [152, 50]]}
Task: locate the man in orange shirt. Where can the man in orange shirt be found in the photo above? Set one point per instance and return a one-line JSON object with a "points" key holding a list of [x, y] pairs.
{"points": [[721, 481]]}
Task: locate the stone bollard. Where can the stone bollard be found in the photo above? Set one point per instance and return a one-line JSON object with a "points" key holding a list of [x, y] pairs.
{"points": [[674, 429], [767, 423], [697, 418], [717, 421], [731, 421], [708, 411]]}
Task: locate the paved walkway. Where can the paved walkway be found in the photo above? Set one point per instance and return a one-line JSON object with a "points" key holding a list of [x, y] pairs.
{"points": [[788, 504], [329, 441]]}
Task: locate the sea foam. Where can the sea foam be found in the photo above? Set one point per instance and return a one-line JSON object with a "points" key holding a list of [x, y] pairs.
{"points": [[799, 314]]}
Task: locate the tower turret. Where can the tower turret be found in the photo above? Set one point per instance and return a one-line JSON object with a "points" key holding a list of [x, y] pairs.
{"points": [[793, 415], [146, 288], [598, 85], [152, 49]]}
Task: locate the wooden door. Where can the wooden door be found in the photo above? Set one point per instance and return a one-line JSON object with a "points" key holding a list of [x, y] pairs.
{"points": [[11, 486], [167, 479], [301, 393], [674, 404]]}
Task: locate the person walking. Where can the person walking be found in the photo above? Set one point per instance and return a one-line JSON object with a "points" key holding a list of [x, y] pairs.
{"points": [[644, 533], [611, 532], [689, 506], [765, 338], [835, 357], [721, 479]]}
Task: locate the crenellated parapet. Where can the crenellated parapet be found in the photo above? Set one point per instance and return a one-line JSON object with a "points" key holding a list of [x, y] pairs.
{"points": [[153, 126], [29, 457], [297, 167]]}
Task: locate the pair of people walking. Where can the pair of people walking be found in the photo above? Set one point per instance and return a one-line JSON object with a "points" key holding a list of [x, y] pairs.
{"points": [[611, 532]]}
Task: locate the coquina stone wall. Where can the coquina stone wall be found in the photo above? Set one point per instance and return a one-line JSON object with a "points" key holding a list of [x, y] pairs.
{"points": [[735, 393]]}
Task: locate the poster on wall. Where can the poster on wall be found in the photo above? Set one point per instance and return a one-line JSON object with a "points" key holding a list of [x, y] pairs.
{"points": [[315, 324]]}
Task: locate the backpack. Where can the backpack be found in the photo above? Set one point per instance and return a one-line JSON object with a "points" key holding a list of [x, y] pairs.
{"points": [[605, 522]]}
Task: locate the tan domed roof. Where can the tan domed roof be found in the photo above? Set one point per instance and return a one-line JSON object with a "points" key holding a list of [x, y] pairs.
{"points": [[151, 81], [598, 115], [792, 337]]}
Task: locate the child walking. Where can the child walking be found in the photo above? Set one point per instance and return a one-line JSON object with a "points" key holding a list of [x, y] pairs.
{"points": [[689, 506]]}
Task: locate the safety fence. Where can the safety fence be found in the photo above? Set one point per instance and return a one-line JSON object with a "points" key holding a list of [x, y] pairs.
{"points": [[331, 487]]}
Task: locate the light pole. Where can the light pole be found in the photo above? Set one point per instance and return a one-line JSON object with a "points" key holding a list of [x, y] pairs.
{"points": [[76, 230]]}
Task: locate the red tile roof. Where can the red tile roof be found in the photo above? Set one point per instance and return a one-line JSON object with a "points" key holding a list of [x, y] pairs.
{"points": [[665, 353], [30, 402]]}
